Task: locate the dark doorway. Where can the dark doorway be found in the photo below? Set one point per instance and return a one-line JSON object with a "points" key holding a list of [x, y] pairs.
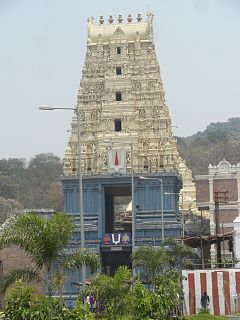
{"points": [[109, 210], [112, 260], [117, 213]]}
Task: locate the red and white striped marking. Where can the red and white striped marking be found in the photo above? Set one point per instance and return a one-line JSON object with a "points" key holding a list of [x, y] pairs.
{"points": [[222, 286]]}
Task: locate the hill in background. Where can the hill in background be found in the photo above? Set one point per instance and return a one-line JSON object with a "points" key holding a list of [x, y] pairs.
{"points": [[220, 140], [32, 185]]}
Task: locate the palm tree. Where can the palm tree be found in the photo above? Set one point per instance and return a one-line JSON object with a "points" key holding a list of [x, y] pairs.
{"points": [[179, 254], [45, 242], [113, 292], [152, 261]]}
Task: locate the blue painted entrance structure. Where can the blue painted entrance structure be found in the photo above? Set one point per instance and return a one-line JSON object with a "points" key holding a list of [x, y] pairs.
{"points": [[99, 232]]}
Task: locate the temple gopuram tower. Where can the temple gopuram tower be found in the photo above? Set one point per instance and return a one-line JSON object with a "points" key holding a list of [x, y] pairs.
{"points": [[121, 99], [128, 150]]}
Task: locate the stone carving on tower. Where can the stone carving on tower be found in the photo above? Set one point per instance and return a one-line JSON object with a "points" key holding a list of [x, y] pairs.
{"points": [[121, 100]]}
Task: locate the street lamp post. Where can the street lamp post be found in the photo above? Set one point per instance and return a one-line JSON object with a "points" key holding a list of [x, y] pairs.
{"points": [[161, 196], [82, 235], [133, 209]]}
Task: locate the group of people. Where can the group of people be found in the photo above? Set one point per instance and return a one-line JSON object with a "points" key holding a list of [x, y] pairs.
{"points": [[205, 300], [90, 301]]}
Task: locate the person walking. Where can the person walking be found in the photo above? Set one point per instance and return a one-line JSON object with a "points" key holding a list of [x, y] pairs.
{"points": [[71, 304], [205, 300], [92, 302]]}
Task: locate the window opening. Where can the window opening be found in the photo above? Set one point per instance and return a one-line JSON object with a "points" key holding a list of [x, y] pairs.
{"points": [[118, 125], [118, 50], [118, 71], [118, 96]]}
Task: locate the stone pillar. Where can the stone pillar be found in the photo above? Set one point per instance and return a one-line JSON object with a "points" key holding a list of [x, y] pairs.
{"points": [[211, 189], [236, 241]]}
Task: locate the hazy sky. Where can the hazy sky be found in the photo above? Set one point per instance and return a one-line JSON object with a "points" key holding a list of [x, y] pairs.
{"points": [[42, 49]]}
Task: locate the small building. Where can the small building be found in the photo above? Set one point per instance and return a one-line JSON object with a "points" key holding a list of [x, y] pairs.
{"points": [[220, 191]]}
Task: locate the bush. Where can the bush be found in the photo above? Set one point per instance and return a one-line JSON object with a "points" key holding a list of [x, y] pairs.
{"points": [[22, 303], [204, 317], [19, 302], [80, 312]]}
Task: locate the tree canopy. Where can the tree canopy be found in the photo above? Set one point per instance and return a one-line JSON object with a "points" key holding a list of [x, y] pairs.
{"points": [[34, 184], [45, 242]]}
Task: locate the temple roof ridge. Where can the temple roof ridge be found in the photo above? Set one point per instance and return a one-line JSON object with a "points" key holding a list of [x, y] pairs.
{"points": [[130, 29]]}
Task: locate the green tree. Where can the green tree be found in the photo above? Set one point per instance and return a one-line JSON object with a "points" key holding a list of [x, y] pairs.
{"points": [[125, 300], [45, 242], [179, 254], [12, 166], [48, 165], [158, 304], [23, 303], [18, 302], [113, 292], [152, 261], [8, 187], [41, 182], [34, 184], [142, 302], [168, 289], [9, 208]]}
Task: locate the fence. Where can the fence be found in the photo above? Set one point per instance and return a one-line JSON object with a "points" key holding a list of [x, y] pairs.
{"points": [[222, 286]]}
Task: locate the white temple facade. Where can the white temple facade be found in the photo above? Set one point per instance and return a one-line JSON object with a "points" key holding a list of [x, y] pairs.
{"points": [[121, 101]]}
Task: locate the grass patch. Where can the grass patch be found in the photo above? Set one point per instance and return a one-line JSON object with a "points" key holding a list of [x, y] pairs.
{"points": [[204, 317]]}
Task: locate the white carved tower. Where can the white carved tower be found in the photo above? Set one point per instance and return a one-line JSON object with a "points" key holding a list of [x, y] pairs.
{"points": [[121, 99]]}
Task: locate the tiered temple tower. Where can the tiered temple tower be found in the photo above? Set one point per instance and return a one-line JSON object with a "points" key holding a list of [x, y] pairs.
{"points": [[121, 99], [128, 150]]}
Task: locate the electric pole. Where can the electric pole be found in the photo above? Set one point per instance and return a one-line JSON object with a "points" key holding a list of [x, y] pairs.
{"points": [[219, 197]]}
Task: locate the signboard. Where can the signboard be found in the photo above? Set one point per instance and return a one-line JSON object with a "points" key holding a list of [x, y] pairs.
{"points": [[116, 249]]}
